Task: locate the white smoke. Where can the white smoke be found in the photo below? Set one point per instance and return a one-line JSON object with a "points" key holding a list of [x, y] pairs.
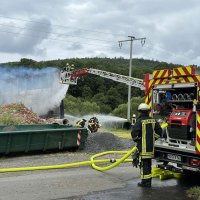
{"points": [[38, 89]]}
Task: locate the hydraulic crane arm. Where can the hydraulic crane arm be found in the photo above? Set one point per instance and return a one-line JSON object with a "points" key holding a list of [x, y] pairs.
{"points": [[70, 77]]}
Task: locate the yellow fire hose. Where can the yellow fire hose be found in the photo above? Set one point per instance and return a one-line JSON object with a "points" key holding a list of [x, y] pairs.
{"points": [[163, 174], [122, 159], [62, 166], [91, 162]]}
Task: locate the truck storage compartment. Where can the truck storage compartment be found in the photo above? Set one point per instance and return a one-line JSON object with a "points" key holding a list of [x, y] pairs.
{"points": [[26, 138], [179, 132]]}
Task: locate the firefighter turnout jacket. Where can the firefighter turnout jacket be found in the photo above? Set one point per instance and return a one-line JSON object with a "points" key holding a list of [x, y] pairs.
{"points": [[80, 123], [145, 131]]}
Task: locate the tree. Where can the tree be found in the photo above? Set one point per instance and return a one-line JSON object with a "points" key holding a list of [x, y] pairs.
{"points": [[107, 94], [27, 62], [135, 101], [113, 97], [76, 106], [120, 111], [87, 93], [100, 99]]}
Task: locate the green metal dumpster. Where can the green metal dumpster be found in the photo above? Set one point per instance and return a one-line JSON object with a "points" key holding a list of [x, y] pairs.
{"points": [[26, 138]]}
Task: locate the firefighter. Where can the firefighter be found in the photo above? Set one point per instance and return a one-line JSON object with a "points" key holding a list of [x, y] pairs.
{"points": [[81, 123], [144, 133], [133, 119], [94, 120], [93, 124]]}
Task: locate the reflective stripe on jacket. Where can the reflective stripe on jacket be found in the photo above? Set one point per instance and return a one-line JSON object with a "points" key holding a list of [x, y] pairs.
{"points": [[80, 123], [145, 131]]}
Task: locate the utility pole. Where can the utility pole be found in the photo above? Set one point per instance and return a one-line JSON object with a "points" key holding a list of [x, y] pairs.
{"points": [[132, 38]]}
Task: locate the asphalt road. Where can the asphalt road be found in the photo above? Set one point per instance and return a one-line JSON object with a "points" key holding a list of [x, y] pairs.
{"points": [[87, 184]]}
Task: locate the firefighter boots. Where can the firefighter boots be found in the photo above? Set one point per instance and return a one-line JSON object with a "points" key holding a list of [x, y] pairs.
{"points": [[145, 183]]}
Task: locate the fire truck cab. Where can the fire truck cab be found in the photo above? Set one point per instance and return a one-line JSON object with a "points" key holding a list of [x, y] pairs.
{"points": [[174, 98]]}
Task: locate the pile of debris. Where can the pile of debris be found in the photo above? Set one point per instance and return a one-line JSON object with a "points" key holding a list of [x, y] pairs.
{"points": [[18, 114]]}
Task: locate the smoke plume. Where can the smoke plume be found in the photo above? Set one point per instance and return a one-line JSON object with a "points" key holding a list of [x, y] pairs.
{"points": [[38, 89]]}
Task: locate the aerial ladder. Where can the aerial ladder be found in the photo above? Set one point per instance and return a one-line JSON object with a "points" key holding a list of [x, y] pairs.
{"points": [[70, 76]]}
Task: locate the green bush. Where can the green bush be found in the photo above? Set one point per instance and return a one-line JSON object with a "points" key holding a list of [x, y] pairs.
{"points": [[75, 106], [121, 110], [135, 101]]}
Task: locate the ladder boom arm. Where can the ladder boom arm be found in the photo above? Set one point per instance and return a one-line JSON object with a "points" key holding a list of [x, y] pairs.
{"points": [[71, 77], [135, 82]]}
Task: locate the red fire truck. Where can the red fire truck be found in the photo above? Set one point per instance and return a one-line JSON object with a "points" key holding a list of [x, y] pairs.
{"points": [[174, 98]]}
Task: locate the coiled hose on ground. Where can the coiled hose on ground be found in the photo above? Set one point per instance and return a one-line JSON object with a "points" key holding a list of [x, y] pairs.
{"points": [[91, 162]]}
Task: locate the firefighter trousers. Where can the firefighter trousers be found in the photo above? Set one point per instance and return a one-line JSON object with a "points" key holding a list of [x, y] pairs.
{"points": [[145, 170]]}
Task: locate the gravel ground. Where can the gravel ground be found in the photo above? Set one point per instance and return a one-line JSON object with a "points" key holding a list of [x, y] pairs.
{"points": [[96, 142], [104, 141]]}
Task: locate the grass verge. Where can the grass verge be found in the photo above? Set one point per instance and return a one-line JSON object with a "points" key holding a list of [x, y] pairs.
{"points": [[123, 133], [194, 193]]}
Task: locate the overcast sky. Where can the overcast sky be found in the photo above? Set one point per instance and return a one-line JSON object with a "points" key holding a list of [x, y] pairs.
{"points": [[58, 29]]}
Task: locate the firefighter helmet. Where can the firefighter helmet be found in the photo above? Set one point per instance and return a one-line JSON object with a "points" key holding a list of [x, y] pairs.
{"points": [[143, 107]]}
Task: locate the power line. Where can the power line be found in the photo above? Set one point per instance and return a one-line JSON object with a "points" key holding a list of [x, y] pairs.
{"points": [[58, 34], [56, 25], [67, 35], [55, 39], [132, 38], [159, 49]]}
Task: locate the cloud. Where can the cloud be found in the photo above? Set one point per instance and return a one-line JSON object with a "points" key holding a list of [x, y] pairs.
{"points": [[85, 28], [24, 38]]}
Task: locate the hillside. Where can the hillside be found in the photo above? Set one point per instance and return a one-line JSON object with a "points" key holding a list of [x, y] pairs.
{"points": [[106, 95]]}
